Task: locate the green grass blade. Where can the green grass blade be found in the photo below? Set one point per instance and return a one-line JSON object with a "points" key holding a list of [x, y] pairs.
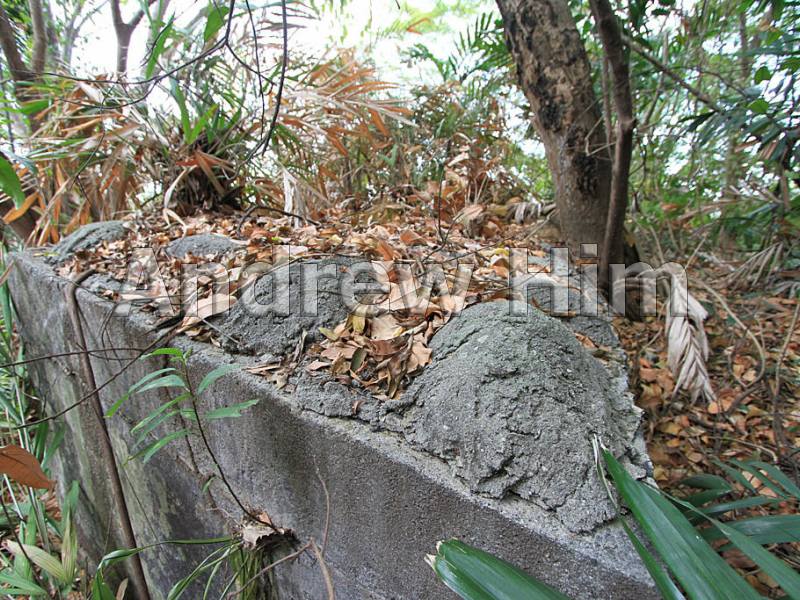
{"points": [[735, 475], [723, 507], [698, 568], [116, 556], [48, 563], [19, 585], [756, 472], [477, 575], [707, 482], [784, 575], [772, 529], [665, 585], [705, 496], [778, 476]]}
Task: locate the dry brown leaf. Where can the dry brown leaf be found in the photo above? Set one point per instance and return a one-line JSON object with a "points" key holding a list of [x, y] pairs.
{"points": [[386, 251], [207, 307], [384, 327], [317, 365], [22, 466]]}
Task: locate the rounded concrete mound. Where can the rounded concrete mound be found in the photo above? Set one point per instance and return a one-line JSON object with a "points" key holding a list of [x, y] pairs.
{"points": [[287, 303], [88, 236], [202, 244], [512, 401]]}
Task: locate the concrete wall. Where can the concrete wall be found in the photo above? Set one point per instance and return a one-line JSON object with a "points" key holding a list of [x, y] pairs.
{"points": [[389, 503]]}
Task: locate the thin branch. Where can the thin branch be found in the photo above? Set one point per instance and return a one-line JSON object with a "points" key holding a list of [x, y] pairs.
{"points": [[95, 353], [323, 567], [616, 54], [8, 41], [39, 36], [279, 95], [124, 32], [201, 430], [777, 421]]}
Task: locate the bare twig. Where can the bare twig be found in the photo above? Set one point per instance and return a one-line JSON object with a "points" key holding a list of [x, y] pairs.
{"points": [[201, 430], [323, 567], [756, 344], [780, 435], [95, 353], [264, 144], [327, 508]]}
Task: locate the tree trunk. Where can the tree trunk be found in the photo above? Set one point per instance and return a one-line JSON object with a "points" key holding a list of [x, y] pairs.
{"points": [[22, 75], [554, 73], [124, 34], [617, 56], [8, 40], [39, 53]]}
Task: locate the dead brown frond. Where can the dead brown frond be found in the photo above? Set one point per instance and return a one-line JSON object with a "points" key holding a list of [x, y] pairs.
{"points": [[687, 349], [83, 154], [758, 269]]}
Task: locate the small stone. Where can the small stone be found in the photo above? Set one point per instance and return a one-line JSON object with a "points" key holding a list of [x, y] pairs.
{"points": [[202, 244]]}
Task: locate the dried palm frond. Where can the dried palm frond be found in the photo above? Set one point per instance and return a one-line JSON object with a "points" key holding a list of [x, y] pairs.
{"points": [[84, 155], [760, 267], [687, 349]]}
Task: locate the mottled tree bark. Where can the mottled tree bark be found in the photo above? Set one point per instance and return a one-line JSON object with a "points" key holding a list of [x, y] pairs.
{"points": [[554, 73], [39, 37]]}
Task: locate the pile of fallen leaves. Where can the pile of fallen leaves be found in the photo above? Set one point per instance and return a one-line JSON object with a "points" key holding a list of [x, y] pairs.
{"points": [[431, 270], [754, 367]]}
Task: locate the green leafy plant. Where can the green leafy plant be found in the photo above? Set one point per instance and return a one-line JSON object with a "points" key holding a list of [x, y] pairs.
{"points": [[477, 575], [183, 404], [9, 182], [678, 529], [227, 551], [31, 563]]}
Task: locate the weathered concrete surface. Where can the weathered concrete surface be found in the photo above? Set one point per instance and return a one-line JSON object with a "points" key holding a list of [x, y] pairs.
{"points": [[87, 237], [161, 495], [291, 300], [202, 244], [511, 403], [389, 502]]}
